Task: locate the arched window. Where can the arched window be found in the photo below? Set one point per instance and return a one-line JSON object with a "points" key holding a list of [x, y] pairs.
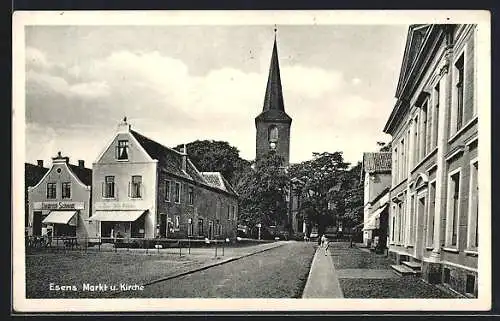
{"points": [[273, 134]]}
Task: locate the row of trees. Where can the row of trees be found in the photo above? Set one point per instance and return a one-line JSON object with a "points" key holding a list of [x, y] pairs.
{"points": [[329, 190]]}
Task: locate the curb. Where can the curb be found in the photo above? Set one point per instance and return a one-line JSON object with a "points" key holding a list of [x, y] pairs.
{"points": [[204, 267]]}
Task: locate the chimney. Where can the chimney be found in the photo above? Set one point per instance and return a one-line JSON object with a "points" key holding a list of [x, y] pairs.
{"points": [[39, 162], [184, 158], [81, 163]]}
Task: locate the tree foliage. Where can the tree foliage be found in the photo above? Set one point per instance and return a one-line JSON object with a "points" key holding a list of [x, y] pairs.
{"points": [[217, 156], [330, 191], [263, 191]]}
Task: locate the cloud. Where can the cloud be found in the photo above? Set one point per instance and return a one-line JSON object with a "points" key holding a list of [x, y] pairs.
{"points": [[36, 58], [171, 104]]}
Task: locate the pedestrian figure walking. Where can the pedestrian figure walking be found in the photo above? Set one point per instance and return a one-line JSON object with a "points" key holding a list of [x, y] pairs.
{"points": [[326, 244]]}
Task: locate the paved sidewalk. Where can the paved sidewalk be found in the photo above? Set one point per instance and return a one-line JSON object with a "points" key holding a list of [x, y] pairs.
{"points": [[322, 281]]}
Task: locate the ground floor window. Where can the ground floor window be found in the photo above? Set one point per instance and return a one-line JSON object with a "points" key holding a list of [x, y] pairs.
{"points": [[200, 227], [64, 230]]}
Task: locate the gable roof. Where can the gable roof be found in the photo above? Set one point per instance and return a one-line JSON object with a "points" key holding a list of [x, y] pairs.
{"points": [[216, 179], [33, 174], [377, 162], [414, 41], [170, 161]]}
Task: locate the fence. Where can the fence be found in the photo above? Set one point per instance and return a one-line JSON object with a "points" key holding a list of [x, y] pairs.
{"points": [[37, 244]]}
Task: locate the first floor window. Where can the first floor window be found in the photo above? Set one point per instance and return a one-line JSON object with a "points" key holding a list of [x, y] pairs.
{"points": [[190, 195], [177, 193], [431, 212], [200, 226], [51, 190], [473, 207], [109, 187], [66, 190], [167, 190], [454, 203], [136, 187]]}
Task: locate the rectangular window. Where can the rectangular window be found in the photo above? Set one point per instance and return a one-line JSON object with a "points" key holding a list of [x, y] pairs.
{"points": [[411, 220], [400, 227], [109, 187], [431, 212], [436, 116], [393, 227], [122, 150], [51, 190], [403, 162], [459, 91], [416, 142], [423, 136], [190, 195], [66, 190], [136, 187], [190, 227], [454, 203], [396, 168], [200, 227], [473, 207], [167, 190], [177, 192]]}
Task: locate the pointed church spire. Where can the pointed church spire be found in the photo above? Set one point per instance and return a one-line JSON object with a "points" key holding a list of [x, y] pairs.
{"points": [[274, 93]]}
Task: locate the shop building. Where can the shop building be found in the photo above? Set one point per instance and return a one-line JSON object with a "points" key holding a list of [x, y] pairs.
{"points": [[376, 168], [143, 189], [434, 191], [61, 201]]}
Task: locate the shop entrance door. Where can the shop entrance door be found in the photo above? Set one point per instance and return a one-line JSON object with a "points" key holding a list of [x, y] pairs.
{"points": [[37, 223]]}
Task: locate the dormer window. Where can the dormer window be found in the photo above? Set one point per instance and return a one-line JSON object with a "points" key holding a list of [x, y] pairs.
{"points": [[122, 150]]}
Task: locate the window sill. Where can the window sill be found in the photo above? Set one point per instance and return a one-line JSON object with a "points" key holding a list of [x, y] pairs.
{"points": [[409, 246], [426, 158], [122, 160], [450, 249], [471, 252], [461, 130], [109, 198], [429, 248], [167, 201], [135, 198]]}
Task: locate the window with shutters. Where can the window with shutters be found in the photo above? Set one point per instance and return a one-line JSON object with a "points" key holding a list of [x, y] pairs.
{"points": [[108, 188], [136, 187]]}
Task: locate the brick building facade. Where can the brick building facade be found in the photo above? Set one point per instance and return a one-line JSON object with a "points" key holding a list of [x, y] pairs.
{"points": [[144, 189]]}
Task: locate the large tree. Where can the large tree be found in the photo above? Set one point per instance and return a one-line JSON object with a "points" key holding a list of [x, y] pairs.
{"points": [[322, 176], [217, 156], [262, 192]]}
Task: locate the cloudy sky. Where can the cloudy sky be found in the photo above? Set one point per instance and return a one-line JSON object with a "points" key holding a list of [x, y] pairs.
{"points": [[177, 84]]}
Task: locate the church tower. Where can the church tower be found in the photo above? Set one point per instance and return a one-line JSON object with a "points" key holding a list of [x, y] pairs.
{"points": [[273, 124]]}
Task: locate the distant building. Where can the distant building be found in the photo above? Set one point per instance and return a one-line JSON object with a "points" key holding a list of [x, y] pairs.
{"points": [[144, 189], [32, 175], [434, 192], [377, 181], [61, 200]]}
